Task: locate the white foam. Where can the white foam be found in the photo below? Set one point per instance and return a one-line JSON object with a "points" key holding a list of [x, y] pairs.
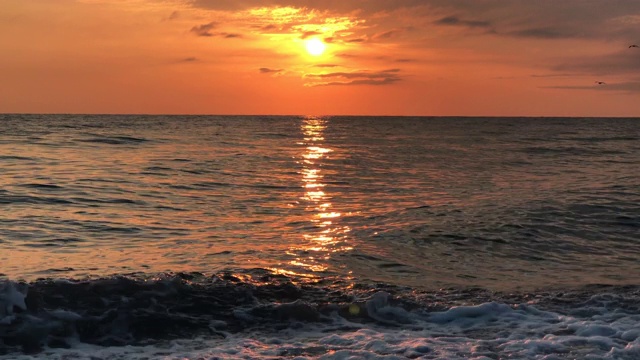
{"points": [[482, 332], [463, 313]]}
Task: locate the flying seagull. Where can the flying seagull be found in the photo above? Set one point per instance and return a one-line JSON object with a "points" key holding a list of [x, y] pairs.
{"points": [[634, 45], [601, 83]]}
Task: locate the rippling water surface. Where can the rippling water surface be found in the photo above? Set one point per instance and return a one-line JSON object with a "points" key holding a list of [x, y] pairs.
{"points": [[231, 237], [424, 202]]}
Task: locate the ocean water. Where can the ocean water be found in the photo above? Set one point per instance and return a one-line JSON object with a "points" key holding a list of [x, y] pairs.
{"points": [[300, 237]]}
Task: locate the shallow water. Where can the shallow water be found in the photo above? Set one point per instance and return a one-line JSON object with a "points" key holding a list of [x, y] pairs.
{"points": [[258, 237]]}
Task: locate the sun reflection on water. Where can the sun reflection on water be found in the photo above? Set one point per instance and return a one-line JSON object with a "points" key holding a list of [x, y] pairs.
{"points": [[327, 235]]}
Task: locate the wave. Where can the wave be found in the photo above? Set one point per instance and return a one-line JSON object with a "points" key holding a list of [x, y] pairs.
{"points": [[114, 140], [47, 200], [15, 157], [287, 316], [26, 199], [570, 150]]}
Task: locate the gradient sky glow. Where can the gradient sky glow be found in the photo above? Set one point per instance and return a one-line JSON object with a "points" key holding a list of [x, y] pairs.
{"points": [[387, 57]]}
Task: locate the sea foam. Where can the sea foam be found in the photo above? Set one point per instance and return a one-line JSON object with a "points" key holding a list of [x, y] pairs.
{"points": [[265, 317]]}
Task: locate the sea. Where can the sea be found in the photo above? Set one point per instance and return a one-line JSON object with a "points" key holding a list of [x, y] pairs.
{"points": [[319, 237]]}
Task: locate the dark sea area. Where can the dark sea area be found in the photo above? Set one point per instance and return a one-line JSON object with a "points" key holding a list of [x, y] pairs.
{"points": [[303, 237]]}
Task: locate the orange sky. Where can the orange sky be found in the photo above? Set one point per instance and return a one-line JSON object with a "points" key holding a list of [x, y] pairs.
{"points": [[403, 57]]}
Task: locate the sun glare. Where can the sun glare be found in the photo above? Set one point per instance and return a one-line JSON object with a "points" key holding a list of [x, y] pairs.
{"points": [[315, 47]]}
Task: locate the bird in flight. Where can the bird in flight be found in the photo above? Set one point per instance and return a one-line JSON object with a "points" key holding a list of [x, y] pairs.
{"points": [[634, 45], [601, 83]]}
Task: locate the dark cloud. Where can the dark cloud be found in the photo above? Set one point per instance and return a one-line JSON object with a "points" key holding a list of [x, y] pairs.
{"points": [[385, 81], [325, 65], [553, 75], [307, 34], [627, 87], [456, 21], [405, 60], [265, 70], [348, 75], [189, 59], [347, 56], [543, 33], [622, 62], [384, 77], [205, 29], [174, 15], [387, 34], [272, 28], [543, 19], [548, 33]]}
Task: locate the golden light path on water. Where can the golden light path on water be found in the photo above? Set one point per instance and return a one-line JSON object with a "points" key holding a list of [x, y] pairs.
{"points": [[327, 237]]}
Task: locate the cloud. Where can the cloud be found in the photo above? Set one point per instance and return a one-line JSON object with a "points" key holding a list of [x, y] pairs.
{"points": [[386, 81], [205, 29], [269, 27], [626, 61], [542, 33], [189, 59], [456, 21], [553, 75], [265, 70], [387, 34], [543, 19], [325, 65], [173, 16], [628, 87], [357, 74], [533, 19], [518, 33], [296, 21], [308, 34], [383, 77], [348, 56]]}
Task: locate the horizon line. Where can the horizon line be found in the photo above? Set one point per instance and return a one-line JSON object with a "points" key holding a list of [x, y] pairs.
{"points": [[325, 115]]}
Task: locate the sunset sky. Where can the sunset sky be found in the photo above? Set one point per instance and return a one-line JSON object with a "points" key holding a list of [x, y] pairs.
{"points": [[388, 57]]}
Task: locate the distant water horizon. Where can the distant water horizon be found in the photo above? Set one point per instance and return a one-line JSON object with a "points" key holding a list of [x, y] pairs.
{"points": [[327, 115], [454, 227]]}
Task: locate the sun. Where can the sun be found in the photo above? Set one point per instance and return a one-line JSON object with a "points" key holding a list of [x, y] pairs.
{"points": [[315, 46]]}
